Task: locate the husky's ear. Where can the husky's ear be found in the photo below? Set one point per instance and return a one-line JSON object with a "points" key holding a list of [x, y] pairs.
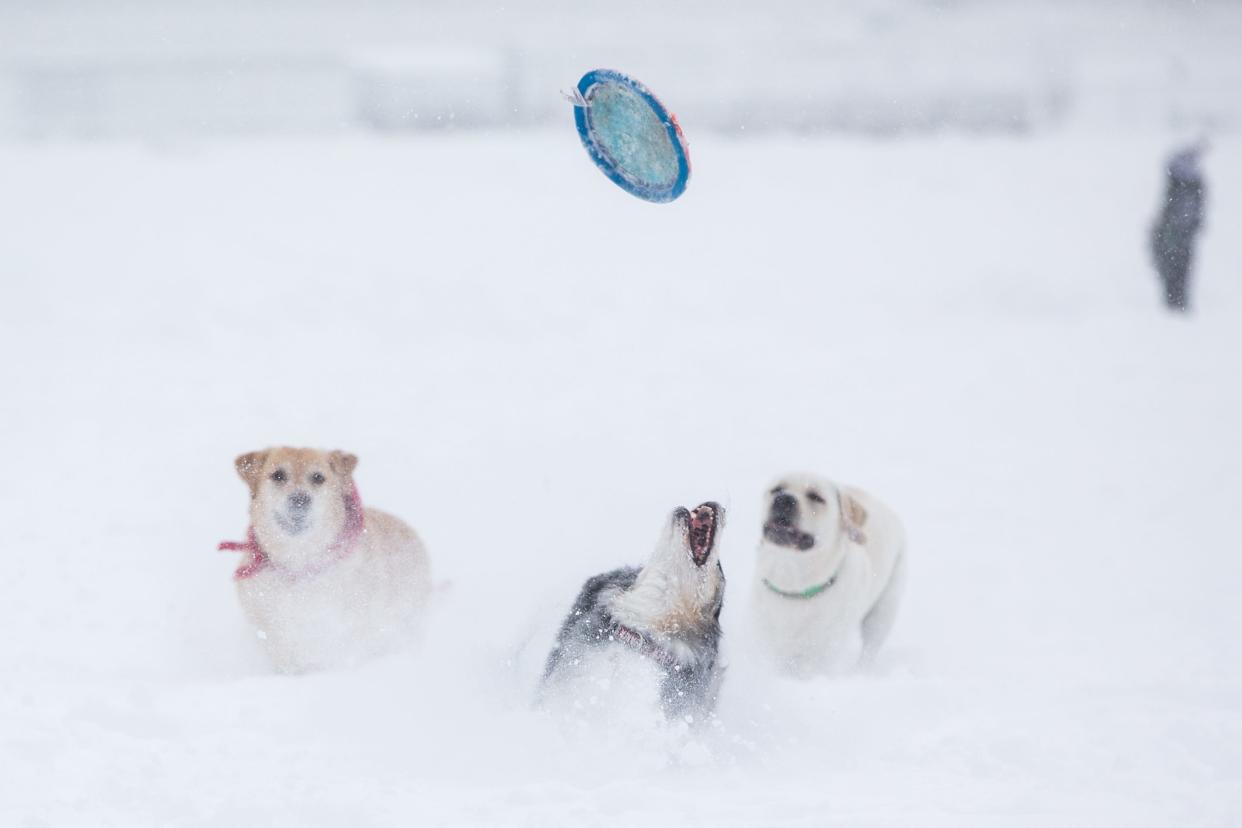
{"points": [[853, 517], [343, 463], [250, 467]]}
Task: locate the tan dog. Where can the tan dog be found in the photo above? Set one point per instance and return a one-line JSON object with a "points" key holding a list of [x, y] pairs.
{"points": [[325, 582], [829, 574]]}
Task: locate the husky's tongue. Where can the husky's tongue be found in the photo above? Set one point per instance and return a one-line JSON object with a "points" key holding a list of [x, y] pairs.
{"points": [[702, 532]]}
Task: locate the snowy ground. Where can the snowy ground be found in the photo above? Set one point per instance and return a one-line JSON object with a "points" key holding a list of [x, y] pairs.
{"points": [[534, 368]]}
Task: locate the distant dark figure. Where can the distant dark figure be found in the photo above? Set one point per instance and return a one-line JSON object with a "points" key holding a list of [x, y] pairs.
{"points": [[1173, 235]]}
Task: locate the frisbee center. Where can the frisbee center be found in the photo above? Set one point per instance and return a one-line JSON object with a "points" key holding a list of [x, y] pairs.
{"points": [[632, 135]]}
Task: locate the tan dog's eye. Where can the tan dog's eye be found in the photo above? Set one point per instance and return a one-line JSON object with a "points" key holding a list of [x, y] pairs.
{"points": [[815, 497], [317, 478], [279, 476]]}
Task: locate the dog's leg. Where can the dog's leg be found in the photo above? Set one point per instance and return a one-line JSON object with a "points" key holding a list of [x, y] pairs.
{"points": [[879, 619]]}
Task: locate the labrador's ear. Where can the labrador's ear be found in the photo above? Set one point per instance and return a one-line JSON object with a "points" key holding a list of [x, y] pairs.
{"points": [[343, 463], [250, 468], [853, 518]]}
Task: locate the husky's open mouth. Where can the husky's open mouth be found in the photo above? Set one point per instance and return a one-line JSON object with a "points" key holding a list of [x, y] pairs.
{"points": [[701, 531]]}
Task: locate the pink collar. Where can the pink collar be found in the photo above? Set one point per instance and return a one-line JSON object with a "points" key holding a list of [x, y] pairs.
{"points": [[340, 549], [644, 645]]}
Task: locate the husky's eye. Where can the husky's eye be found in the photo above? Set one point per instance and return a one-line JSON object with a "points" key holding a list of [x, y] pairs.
{"points": [[777, 490], [317, 478], [815, 497], [279, 476]]}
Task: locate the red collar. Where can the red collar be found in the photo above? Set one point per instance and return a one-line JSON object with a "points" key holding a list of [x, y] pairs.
{"points": [[340, 549]]}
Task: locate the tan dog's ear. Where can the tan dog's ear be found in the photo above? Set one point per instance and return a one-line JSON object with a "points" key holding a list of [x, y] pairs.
{"points": [[250, 466], [343, 463], [853, 516]]}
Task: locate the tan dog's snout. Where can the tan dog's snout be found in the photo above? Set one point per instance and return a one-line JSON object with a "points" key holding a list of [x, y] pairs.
{"points": [[298, 506], [300, 502], [295, 518]]}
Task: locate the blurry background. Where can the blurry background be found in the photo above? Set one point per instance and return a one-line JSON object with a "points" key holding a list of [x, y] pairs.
{"points": [[151, 69]]}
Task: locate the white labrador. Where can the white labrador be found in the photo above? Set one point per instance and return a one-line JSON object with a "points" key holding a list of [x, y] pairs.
{"points": [[829, 575]]}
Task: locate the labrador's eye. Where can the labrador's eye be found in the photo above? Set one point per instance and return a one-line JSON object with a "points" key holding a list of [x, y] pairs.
{"points": [[815, 497], [317, 478], [279, 476]]}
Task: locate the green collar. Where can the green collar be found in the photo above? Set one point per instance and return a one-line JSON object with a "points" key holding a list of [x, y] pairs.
{"points": [[809, 592]]}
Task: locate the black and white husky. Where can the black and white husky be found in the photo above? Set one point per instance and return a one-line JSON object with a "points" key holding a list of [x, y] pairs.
{"points": [[666, 615]]}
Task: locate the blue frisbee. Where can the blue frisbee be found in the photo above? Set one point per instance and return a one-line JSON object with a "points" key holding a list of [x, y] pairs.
{"points": [[630, 135]]}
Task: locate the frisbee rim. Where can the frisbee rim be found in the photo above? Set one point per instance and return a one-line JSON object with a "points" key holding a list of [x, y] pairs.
{"points": [[606, 165]]}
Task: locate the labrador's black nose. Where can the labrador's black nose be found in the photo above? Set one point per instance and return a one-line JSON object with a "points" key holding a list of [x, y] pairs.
{"points": [[299, 502], [784, 507]]}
